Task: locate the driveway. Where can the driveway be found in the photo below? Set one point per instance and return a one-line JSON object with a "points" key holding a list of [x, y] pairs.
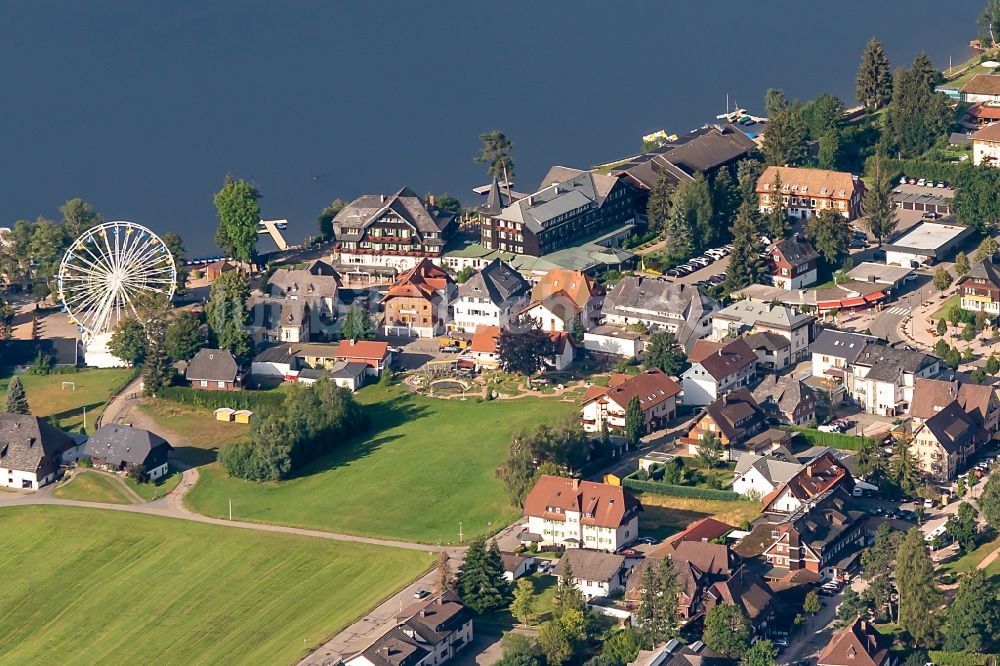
{"points": [[808, 642]]}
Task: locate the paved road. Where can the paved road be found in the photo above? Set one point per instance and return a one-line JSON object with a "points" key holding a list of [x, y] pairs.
{"points": [[814, 637], [886, 324]]}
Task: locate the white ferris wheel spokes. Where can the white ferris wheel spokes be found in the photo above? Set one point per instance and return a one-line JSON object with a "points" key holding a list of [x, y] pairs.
{"points": [[106, 268]]}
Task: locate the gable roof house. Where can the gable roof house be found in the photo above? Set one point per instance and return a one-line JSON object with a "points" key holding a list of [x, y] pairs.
{"points": [[813, 478], [596, 574], [697, 565], [753, 317], [656, 391], [373, 353], [774, 352], [214, 370], [858, 644], [792, 264], [747, 590], [716, 369], [786, 399], [757, 476], [739, 424], [834, 352], [417, 305], [930, 396], [316, 284], [980, 288], [391, 232], [946, 441], [427, 633], [484, 346], [490, 297], [580, 514], [555, 312], [981, 88], [805, 192], [882, 377], [31, 450], [117, 446], [576, 287], [661, 304], [675, 653]]}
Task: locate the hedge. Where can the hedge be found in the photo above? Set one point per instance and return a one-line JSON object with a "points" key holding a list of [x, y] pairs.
{"points": [[633, 483], [940, 658], [835, 439], [257, 401], [919, 169]]}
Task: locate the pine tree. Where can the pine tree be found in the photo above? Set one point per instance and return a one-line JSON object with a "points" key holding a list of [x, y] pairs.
{"points": [[745, 263], [874, 81], [725, 201], [962, 267], [567, 597], [679, 236], [666, 612], [658, 207], [878, 570], [877, 201], [664, 353], [647, 616], [829, 149], [727, 630], [973, 614], [480, 580], [775, 102], [776, 222], [17, 399], [919, 596], [784, 139], [924, 70]]}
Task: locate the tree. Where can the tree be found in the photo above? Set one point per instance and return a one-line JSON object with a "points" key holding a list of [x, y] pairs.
{"points": [[987, 249], [811, 604], [665, 353], [128, 341], [635, 422], [830, 235], [942, 278], [567, 597], [904, 470], [553, 639], [136, 472], [976, 203], [851, 606], [226, 313], [444, 581], [153, 311], [16, 401], [518, 471], [464, 274], [761, 653], [977, 376], [962, 267], [992, 365], [480, 580], [874, 80], [523, 605], [623, 647], [448, 203], [822, 115], [658, 616], [239, 219], [878, 569], [727, 630], [973, 615], [78, 216], [175, 244], [917, 116], [918, 594], [325, 218], [876, 203], [357, 325], [775, 102], [870, 465], [784, 138], [925, 71], [776, 221], [710, 450], [184, 338], [658, 206], [725, 200], [495, 154], [989, 24], [522, 348], [748, 172], [830, 149], [745, 264], [518, 650], [962, 527], [941, 328]]}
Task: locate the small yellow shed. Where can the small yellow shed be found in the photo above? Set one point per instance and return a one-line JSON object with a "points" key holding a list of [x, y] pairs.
{"points": [[224, 414], [243, 415]]}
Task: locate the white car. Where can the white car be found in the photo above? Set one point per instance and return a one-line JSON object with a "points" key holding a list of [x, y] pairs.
{"points": [[830, 427]]}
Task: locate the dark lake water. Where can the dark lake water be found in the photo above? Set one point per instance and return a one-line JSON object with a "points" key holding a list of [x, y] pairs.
{"points": [[142, 107]]}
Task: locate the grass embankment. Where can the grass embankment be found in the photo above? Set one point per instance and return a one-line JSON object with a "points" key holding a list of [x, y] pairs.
{"points": [[426, 466], [663, 515], [93, 486], [945, 307], [152, 490], [134, 589], [48, 397], [197, 427]]}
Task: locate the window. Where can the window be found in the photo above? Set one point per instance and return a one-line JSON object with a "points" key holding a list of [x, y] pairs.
{"points": [[221, 384], [204, 382]]}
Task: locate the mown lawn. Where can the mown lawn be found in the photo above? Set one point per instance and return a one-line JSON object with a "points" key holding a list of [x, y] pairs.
{"points": [[100, 587], [202, 434], [545, 592], [93, 486], [946, 306], [663, 515], [971, 560], [152, 490], [48, 397], [427, 466]]}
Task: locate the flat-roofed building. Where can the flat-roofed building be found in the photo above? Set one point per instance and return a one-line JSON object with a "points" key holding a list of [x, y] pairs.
{"points": [[926, 243]]}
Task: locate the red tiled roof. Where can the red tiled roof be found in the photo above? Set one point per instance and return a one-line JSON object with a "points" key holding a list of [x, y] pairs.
{"points": [[484, 340], [651, 387], [366, 349], [607, 505], [856, 645], [421, 281], [728, 360], [701, 530]]}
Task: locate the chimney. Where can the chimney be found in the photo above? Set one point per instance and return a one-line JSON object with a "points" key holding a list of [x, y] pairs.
{"points": [[353, 341], [576, 484], [381, 198], [809, 470]]}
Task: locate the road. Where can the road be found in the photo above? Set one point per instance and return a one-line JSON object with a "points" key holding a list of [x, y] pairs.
{"points": [[808, 642], [886, 324]]}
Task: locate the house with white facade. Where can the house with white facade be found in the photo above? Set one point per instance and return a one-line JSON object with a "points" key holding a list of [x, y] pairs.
{"points": [[833, 352], [657, 393], [607, 340], [881, 379], [749, 316], [757, 476], [580, 514], [556, 313], [491, 297], [661, 305], [813, 478], [792, 264], [586, 293], [717, 368], [595, 573], [117, 447], [31, 450], [986, 145]]}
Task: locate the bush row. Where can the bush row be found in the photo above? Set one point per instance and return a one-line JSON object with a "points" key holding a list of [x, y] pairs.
{"points": [[919, 169], [657, 488], [256, 401], [835, 439], [941, 658]]}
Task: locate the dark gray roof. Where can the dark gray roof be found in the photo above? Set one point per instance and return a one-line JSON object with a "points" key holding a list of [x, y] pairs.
{"points": [[953, 428], [64, 351], [768, 340], [293, 312], [887, 363], [216, 365], [29, 444], [275, 354], [319, 280], [786, 392], [348, 370], [983, 270], [840, 344], [497, 281], [794, 251], [590, 564], [661, 301], [363, 211], [122, 444]]}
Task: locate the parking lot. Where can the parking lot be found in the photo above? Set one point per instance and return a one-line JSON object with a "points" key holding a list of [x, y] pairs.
{"points": [[717, 266]]}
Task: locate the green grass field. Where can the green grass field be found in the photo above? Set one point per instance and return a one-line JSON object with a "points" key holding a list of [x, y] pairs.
{"points": [[663, 515], [197, 426], [95, 586], [153, 490], [93, 486], [47, 397], [427, 466], [946, 306]]}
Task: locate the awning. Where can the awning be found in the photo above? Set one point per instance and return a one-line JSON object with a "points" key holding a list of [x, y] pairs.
{"points": [[835, 372], [852, 302], [827, 305], [877, 296]]}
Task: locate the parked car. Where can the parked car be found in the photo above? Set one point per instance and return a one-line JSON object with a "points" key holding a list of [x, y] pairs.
{"points": [[420, 593], [780, 641], [928, 503], [830, 427], [943, 183], [921, 182], [700, 261]]}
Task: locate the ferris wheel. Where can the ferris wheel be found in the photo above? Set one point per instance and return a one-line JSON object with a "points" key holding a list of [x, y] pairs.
{"points": [[106, 268]]}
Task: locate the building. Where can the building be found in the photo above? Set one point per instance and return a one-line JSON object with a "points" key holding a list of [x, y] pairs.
{"points": [[561, 353], [316, 284], [214, 370], [858, 644], [944, 442], [484, 346], [569, 207], [417, 305], [427, 633], [21, 354], [585, 292], [936, 200], [675, 653], [595, 573], [697, 566], [515, 566], [739, 424], [834, 352], [986, 146], [556, 312], [396, 231], [786, 400], [926, 243], [372, 353], [749, 316], [882, 377], [656, 391], [491, 297], [758, 476], [31, 451], [980, 289], [275, 361], [717, 368], [930, 396], [806, 192], [661, 304], [981, 88], [773, 351], [117, 447], [822, 473], [580, 514], [608, 340], [792, 264]]}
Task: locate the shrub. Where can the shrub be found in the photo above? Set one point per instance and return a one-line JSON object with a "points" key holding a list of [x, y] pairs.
{"points": [[919, 169], [256, 401], [835, 439], [940, 658], [633, 483], [84, 461]]}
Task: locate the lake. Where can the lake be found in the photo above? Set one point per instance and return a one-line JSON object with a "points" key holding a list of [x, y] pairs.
{"points": [[142, 108]]}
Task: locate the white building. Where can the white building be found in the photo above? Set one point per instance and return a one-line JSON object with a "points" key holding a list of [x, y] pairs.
{"points": [[833, 352], [749, 316], [491, 297], [596, 574], [661, 305], [656, 391], [615, 341], [926, 243], [881, 379], [31, 451], [580, 514], [717, 368], [757, 476]]}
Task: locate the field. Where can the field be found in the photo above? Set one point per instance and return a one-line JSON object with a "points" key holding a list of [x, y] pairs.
{"points": [[545, 592], [91, 486], [427, 466], [96, 586], [196, 426], [663, 515], [152, 490], [942, 311], [47, 397]]}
